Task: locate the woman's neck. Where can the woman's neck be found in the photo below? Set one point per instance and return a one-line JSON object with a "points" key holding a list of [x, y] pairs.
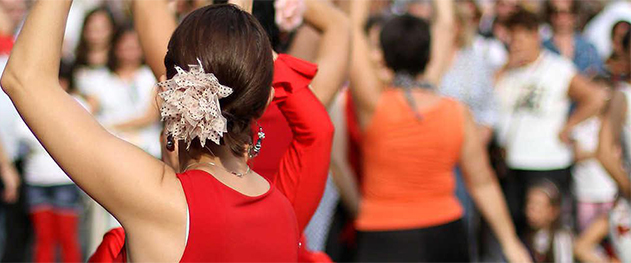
{"points": [[97, 55], [127, 71], [564, 41], [222, 157]]}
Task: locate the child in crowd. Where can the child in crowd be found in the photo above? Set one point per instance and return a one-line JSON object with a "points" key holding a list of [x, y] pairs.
{"points": [[546, 240]]}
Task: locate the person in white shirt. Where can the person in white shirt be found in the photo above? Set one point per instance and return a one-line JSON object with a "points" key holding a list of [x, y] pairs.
{"points": [[613, 152], [534, 90], [594, 190]]}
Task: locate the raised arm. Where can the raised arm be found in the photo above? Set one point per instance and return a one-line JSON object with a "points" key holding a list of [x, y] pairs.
{"points": [[334, 49], [609, 152], [127, 181], [365, 84], [154, 24], [443, 41], [341, 172], [304, 166], [485, 191]]}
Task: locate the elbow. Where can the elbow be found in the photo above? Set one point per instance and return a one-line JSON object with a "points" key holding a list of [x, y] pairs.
{"points": [[600, 100], [325, 131], [10, 81]]}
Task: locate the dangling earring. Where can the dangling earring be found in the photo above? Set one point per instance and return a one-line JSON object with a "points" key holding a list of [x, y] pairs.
{"points": [[256, 149], [170, 143]]}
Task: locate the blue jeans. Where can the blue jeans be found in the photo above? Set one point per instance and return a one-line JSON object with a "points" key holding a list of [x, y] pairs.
{"points": [[57, 197]]}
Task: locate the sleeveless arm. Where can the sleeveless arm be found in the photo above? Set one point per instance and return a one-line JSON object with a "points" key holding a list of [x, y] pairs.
{"points": [[609, 152], [304, 166], [124, 179], [154, 25], [333, 51], [485, 191], [365, 84]]}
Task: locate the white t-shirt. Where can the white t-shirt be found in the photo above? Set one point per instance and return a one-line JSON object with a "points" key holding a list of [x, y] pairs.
{"points": [[39, 167], [592, 183], [534, 106], [8, 119], [122, 101]]}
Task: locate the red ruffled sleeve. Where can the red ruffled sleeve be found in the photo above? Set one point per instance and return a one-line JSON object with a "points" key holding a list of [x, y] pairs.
{"points": [[112, 248], [291, 75], [303, 169]]}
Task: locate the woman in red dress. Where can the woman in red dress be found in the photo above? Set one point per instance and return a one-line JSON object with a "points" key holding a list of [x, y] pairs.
{"points": [[217, 209]]}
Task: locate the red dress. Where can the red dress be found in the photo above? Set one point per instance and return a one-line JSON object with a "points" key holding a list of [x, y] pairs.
{"points": [[300, 177]]}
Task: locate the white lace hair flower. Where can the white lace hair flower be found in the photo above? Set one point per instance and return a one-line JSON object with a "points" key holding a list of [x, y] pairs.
{"points": [[191, 107]]}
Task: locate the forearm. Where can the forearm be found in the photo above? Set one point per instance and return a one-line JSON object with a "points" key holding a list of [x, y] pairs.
{"points": [[584, 111], [150, 117], [34, 61], [6, 26], [588, 255], [347, 185], [154, 24], [365, 84], [4, 158], [615, 169], [334, 49], [585, 245], [443, 41], [490, 201]]}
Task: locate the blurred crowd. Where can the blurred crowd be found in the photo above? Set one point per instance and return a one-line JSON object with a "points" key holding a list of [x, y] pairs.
{"points": [[538, 77]]}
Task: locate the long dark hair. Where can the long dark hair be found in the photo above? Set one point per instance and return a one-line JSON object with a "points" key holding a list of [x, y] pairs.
{"points": [[82, 48], [112, 59], [231, 44]]}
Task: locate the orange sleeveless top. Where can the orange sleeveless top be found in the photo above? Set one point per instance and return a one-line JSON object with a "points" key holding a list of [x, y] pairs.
{"points": [[408, 164]]}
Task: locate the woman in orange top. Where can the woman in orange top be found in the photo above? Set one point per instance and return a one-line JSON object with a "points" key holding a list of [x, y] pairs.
{"points": [[413, 140]]}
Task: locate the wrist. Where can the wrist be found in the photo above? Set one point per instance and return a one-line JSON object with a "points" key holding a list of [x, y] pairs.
{"points": [[509, 240]]}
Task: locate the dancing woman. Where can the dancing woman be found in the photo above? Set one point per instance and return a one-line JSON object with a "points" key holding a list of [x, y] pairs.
{"points": [[304, 186], [217, 209], [413, 139]]}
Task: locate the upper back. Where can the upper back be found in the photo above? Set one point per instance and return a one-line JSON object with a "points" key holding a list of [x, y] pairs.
{"points": [[396, 143], [227, 226]]}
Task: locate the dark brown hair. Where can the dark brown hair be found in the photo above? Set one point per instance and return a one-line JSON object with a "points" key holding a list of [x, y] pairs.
{"points": [[524, 19], [112, 59], [406, 43], [231, 44], [82, 48]]}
